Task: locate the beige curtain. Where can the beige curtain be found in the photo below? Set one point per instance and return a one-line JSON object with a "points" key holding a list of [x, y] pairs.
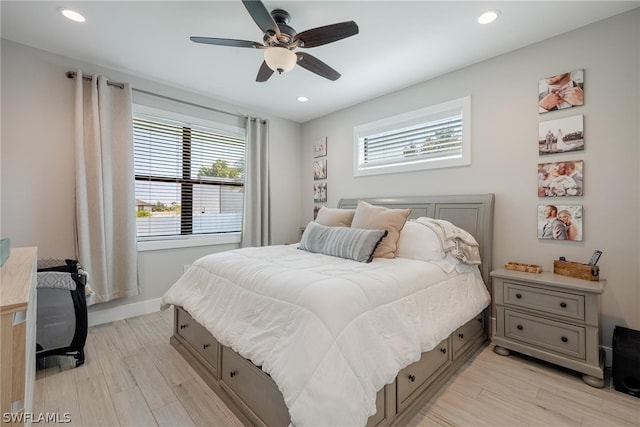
{"points": [[105, 194], [256, 222]]}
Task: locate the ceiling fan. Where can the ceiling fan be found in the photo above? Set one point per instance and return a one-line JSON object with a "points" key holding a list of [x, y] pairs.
{"points": [[280, 40]]}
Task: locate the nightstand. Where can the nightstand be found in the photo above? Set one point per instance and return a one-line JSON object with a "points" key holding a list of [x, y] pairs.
{"points": [[550, 317]]}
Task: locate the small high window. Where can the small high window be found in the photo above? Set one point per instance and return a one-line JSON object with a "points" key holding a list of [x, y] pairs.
{"points": [[429, 138]]}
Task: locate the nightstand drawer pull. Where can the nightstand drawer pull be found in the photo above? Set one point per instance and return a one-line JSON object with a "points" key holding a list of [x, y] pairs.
{"points": [[233, 373], [205, 346], [461, 336], [412, 378], [184, 325], [564, 339], [519, 327], [443, 350], [563, 304], [518, 296]]}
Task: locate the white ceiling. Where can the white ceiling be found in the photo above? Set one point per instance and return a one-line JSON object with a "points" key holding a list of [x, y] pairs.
{"points": [[400, 43]]}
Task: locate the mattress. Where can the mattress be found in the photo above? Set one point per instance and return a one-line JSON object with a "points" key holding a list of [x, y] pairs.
{"points": [[330, 332]]}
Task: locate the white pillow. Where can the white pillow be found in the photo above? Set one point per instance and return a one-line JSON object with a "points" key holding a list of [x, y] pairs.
{"points": [[417, 241]]}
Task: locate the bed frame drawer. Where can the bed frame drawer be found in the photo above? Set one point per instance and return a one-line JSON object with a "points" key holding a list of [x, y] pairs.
{"points": [[198, 338], [414, 377], [554, 336], [542, 300], [241, 378], [465, 334]]}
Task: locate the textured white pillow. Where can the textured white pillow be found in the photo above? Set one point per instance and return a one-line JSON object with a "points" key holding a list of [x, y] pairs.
{"points": [[417, 241]]}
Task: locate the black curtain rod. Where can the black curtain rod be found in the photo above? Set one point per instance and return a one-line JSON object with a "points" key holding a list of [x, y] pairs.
{"points": [[73, 74]]}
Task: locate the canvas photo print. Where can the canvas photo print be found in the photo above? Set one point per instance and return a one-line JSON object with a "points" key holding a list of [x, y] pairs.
{"points": [[320, 192], [560, 91], [320, 169], [561, 135], [560, 179], [560, 222]]}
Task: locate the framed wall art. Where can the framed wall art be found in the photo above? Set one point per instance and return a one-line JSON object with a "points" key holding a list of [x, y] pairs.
{"points": [[560, 179], [320, 147], [320, 169], [561, 135], [560, 222], [320, 192], [565, 90]]}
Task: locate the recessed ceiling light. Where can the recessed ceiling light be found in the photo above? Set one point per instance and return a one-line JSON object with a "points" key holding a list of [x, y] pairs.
{"points": [[303, 99], [71, 14], [489, 16]]}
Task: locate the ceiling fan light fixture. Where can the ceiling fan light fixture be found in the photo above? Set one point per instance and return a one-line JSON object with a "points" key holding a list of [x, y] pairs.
{"points": [[280, 59]]}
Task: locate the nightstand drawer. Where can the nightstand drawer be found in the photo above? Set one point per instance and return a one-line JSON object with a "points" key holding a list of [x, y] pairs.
{"points": [[554, 336], [543, 300]]}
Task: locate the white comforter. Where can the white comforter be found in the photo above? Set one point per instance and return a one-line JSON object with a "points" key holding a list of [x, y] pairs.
{"points": [[331, 332]]}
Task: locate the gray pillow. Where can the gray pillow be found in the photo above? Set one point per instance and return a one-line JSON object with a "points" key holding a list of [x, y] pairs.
{"points": [[344, 242]]}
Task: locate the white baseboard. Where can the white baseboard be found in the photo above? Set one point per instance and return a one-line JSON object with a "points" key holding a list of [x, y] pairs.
{"points": [[99, 317]]}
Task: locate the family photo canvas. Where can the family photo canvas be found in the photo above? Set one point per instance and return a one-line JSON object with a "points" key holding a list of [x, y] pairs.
{"points": [[560, 91], [560, 222], [561, 135], [561, 179]]}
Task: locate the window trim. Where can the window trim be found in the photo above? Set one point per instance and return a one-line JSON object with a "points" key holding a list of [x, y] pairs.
{"points": [[431, 113], [152, 243]]}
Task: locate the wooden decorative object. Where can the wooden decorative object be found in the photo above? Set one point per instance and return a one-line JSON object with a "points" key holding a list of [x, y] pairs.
{"points": [[577, 270], [529, 268]]}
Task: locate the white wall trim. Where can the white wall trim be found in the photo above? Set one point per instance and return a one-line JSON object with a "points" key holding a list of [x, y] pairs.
{"points": [[99, 317]]}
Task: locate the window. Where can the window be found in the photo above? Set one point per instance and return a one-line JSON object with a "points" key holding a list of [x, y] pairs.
{"points": [[429, 138], [189, 177]]}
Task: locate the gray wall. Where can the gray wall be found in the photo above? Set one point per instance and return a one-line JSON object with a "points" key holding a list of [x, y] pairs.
{"points": [[37, 198], [505, 154]]}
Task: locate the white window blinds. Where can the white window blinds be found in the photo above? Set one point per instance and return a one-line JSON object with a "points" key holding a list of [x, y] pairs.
{"points": [[189, 178], [424, 139]]}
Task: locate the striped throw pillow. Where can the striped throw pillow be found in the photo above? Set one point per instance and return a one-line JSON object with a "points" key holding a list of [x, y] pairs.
{"points": [[344, 242]]}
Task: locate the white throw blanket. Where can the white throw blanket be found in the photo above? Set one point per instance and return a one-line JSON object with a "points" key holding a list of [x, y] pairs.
{"points": [[460, 243], [331, 332]]}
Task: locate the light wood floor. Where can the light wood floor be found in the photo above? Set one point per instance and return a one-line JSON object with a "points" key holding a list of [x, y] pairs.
{"points": [[133, 377]]}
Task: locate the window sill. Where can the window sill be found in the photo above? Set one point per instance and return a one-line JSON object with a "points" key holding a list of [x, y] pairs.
{"points": [[188, 242]]}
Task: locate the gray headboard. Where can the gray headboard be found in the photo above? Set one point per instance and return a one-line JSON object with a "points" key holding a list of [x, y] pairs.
{"points": [[473, 213]]}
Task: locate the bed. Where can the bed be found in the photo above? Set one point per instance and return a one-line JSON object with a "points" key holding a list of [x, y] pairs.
{"points": [[304, 337]]}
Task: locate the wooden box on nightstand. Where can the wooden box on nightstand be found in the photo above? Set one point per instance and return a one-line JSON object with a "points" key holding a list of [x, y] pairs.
{"points": [[550, 317]]}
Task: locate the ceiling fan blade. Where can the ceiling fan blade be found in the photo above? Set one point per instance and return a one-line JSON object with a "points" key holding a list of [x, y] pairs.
{"points": [[314, 65], [264, 72], [261, 16], [226, 42], [327, 34]]}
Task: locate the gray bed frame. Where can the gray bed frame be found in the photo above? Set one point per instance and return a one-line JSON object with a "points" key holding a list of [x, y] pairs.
{"points": [[255, 399]]}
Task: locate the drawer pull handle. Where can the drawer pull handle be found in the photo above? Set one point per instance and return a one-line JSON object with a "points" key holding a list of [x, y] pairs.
{"points": [[564, 339], [519, 327], [443, 350], [563, 304], [184, 325], [412, 378], [461, 336], [518, 296], [205, 346], [233, 373]]}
